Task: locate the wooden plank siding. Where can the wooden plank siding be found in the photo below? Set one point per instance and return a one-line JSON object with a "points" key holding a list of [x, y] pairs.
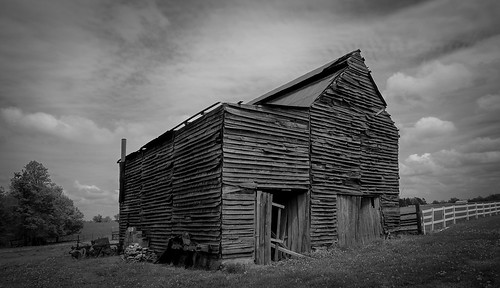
{"points": [[173, 185], [354, 150], [156, 194], [238, 222], [264, 148], [196, 180], [131, 205]]}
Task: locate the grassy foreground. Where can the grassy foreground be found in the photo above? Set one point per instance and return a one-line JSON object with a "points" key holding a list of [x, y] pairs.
{"points": [[465, 255]]}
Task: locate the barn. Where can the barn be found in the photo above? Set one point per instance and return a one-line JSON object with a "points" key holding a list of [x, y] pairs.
{"points": [[311, 164]]}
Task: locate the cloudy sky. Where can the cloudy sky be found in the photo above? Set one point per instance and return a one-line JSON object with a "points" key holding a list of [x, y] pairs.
{"points": [[77, 76]]}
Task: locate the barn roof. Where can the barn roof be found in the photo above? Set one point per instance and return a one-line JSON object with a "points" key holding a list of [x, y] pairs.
{"points": [[303, 91]]}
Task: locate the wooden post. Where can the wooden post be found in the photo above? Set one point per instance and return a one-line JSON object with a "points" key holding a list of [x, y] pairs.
{"points": [[467, 211], [267, 233], [278, 236], [477, 212], [432, 219], [122, 171], [418, 212], [258, 254], [454, 215], [444, 217]]}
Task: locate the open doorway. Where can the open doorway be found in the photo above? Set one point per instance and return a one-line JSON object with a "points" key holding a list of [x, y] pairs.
{"points": [[282, 225], [358, 219]]}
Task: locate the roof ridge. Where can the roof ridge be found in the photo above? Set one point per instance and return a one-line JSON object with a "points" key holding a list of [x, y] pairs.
{"points": [[314, 75]]}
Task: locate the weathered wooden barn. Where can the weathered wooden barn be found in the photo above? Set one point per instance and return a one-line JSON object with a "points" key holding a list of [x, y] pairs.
{"points": [[307, 165]]}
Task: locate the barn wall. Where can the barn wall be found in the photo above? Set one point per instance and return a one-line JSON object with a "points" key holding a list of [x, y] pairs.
{"points": [[173, 185], [263, 149], [238, 226], [131, 205], [353, 150], [266, 148], [156, 194], [197, 180]]}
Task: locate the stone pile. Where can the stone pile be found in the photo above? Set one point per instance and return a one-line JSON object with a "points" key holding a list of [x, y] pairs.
{"points": [[136, 253]]}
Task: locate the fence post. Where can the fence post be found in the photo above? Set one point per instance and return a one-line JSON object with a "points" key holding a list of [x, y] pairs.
{"points": [[477, 212], [454, 220], [467, 211], [418, 212], [432, 219], [444, 217]]}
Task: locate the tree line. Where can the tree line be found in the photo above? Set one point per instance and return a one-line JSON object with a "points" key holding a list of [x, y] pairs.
{"points": [[403, 202], [35, 209], [99, 219]]}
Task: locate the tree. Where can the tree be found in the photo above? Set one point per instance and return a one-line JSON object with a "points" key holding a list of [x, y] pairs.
{"points": [[42, 210], [8, 222], [106, 219], [403, 202], [97, 219], [117, 217]]}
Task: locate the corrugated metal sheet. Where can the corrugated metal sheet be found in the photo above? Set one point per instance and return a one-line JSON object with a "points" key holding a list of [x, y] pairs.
{"points": [[305, 96], [304, 80]]}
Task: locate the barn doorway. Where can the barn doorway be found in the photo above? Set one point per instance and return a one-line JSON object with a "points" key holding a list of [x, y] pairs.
{"points": [[358, 218], [282, 224]]}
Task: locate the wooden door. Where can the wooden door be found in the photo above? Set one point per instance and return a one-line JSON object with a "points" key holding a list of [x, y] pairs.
{"points": [[358, 219], [263, 214]]}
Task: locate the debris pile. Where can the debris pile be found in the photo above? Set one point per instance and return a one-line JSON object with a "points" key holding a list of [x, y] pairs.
{"points": [[136, 253], [181, 250], [97, 248]]}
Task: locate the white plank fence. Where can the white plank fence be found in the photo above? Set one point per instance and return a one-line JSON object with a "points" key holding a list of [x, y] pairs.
{"points": [[447, 215]]}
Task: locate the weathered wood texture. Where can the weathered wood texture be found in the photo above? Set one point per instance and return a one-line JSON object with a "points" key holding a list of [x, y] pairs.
{"points": [[263, 149], [131, 198], [354, 149], [266, 148], [238, 222], [358, 219], [173, 185], [196, 182], [294, 225], [263, 214], [156, 194]]}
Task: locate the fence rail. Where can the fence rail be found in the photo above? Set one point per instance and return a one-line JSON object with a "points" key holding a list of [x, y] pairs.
{"points": [[440, 217]]}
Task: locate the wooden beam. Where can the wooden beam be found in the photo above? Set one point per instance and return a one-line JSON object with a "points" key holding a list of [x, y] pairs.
{"points": [[121, 193], [278, 205], [281, 249], [278, 222], [277, 240]]}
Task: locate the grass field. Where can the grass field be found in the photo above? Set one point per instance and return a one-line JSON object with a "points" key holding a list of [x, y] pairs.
{"points": [[465, 255]]}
